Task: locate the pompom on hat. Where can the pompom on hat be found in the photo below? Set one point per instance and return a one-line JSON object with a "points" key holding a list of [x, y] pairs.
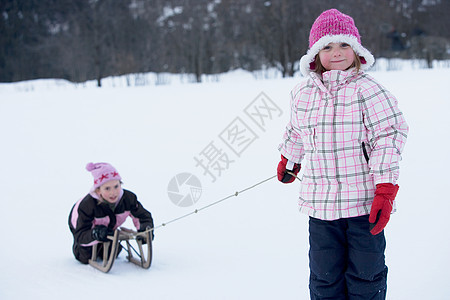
{"points": [[102, 173], [332, 26]]}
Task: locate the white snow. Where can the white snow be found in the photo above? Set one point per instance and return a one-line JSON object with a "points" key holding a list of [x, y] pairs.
{"points": [[253, 246]]}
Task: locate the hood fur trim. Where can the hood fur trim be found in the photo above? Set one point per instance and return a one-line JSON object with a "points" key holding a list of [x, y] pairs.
{"points": [[310, 55]]}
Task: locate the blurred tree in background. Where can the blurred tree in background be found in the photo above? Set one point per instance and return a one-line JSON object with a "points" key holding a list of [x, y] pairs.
{"points": [[81, 40]]}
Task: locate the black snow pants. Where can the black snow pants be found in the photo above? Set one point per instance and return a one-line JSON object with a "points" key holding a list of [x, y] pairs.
{"points": [[346, 261]]}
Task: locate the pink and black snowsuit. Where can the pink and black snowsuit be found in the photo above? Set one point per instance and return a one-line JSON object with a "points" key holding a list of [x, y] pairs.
{"points": [[90, 212]]}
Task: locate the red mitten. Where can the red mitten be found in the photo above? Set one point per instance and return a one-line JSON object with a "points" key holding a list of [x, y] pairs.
{"points": [[382, 206], [283, 176]]}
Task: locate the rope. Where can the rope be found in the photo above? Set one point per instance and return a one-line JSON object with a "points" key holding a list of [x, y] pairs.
{"points": [[214, 203], [131, 246], [293, 174]]}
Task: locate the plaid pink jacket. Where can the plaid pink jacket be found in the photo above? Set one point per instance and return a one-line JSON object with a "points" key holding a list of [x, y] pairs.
{"points": [[348, 134]]}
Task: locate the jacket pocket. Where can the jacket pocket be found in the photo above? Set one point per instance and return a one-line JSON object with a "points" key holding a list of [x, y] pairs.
{"points": [[366, 156]]}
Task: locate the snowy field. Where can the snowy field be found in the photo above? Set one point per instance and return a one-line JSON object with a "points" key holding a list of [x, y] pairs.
{"points": [[254, 246]]}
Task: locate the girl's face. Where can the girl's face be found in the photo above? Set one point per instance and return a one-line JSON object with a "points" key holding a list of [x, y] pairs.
{"points": [[337, 56], [110, 191]]}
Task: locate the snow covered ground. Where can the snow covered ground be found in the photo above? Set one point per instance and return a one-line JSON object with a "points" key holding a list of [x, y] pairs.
{"points": [[253, 246]]}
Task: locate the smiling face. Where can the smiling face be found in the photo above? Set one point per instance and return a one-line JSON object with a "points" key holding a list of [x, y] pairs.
{"points": [[337, 56], [110, 191]]}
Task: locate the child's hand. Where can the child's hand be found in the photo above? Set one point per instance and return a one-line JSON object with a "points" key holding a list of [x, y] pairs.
{"points": [[141, 238], [382, 206], [101, 232], [283, 176]]}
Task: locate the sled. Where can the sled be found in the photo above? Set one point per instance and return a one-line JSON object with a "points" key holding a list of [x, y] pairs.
{"points": [[123, 234], [145, 256]]}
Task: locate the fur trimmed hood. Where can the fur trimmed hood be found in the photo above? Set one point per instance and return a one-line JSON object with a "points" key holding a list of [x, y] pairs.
{"points": [[307, 64], [332, 26]]}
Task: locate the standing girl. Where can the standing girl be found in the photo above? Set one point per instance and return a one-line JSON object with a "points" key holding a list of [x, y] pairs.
{"points": [[346, 134], [103, 210]]}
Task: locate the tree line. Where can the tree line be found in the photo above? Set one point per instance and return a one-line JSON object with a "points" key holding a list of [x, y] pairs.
{"points": [[82, 40]]}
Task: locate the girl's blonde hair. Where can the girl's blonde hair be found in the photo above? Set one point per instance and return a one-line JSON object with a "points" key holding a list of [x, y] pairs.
{"points": [[319, 69]]}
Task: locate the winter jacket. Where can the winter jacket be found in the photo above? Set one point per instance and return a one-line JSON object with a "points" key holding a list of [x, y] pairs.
{"points": [[89, 212], [348, 134]]}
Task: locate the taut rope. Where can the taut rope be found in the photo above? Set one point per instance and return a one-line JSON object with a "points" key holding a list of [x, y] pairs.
{"points": [[214, 203]]}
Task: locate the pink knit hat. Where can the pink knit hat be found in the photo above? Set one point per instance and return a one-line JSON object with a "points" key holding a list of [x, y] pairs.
{"points": [[102, 173], [332, 26]]}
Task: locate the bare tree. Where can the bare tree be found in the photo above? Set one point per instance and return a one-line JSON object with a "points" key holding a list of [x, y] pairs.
{"points": [[91, 39]]}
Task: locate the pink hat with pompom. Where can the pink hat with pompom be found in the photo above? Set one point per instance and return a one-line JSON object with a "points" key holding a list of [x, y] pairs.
{"points": [[102, 173], [332, 26]]}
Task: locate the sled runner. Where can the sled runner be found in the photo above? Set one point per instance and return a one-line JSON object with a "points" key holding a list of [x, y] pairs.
{"points": [[123, 234]]}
